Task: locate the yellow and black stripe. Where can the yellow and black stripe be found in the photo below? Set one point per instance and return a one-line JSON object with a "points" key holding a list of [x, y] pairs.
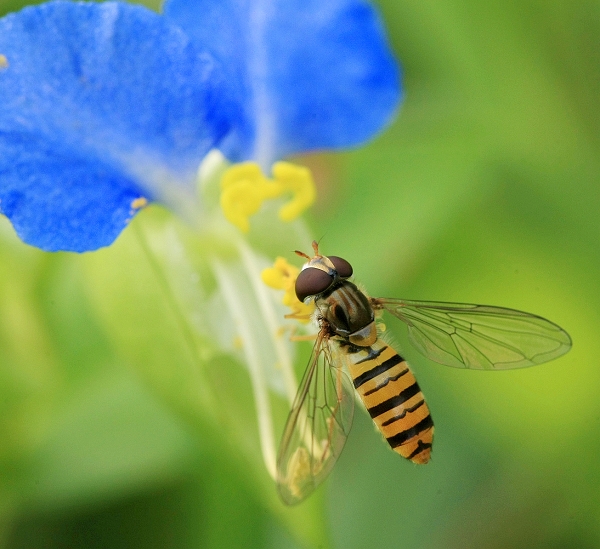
{"points": [[393, 398]]}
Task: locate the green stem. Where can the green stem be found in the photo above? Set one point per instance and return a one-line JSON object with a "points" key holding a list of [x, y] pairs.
{"points": [[284, 359], [243, 320]]}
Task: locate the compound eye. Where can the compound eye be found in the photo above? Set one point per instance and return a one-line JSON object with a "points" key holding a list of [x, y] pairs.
{"points": [[312, 281], [343, 268]]}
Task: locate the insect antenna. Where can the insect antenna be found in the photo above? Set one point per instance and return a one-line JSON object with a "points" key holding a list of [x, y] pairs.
{"points": [[302, 254]]}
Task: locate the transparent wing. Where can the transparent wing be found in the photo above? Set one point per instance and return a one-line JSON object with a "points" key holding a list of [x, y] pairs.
{"points": [[478, 336], [318, 424]]}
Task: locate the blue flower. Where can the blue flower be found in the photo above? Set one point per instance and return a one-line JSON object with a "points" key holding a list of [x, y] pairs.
{"points": [[316, 74], [108, 106]]}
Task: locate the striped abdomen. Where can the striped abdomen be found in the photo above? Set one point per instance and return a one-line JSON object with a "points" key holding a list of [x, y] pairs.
{"points": [[392, 396]]}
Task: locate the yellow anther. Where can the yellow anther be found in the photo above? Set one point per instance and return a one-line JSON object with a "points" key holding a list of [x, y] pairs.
{"points": [[3, 61], [139, 203], [297, 180], [282, 276], [244, 188]]}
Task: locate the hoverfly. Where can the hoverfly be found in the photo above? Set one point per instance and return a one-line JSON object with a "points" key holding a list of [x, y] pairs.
{"points": [[455, 334]]}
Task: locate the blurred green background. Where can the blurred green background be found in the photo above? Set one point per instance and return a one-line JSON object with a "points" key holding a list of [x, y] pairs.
{"points": [[485, 190]]}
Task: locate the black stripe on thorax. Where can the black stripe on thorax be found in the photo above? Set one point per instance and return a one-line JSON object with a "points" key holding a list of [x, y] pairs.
{"points": [[403, 436], [348, 295], [391, 403], [374, 372]]}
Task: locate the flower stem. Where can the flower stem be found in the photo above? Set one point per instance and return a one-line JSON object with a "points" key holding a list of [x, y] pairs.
{"points": [[269, 314], [244, 320]]}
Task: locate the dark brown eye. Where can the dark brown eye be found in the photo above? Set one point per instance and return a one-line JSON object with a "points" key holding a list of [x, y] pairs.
{"points": [[343, 268], [312, 281]]}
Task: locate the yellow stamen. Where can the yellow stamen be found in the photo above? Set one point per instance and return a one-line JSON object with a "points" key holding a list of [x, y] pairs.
{"points": [[297, 180], [244, 188], [282, 276], [139, 203], [3, 61]]}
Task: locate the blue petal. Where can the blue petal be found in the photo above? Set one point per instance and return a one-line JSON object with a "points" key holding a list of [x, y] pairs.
{"points": [[316, 73], [101, 104]]}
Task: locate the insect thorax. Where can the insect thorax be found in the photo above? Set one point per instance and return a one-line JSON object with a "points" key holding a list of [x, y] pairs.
{"points": [[348, 313]]}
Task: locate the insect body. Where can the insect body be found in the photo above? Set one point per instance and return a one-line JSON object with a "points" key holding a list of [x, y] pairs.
{"points": [[454, 334], [392, 397], [380, 375]]}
